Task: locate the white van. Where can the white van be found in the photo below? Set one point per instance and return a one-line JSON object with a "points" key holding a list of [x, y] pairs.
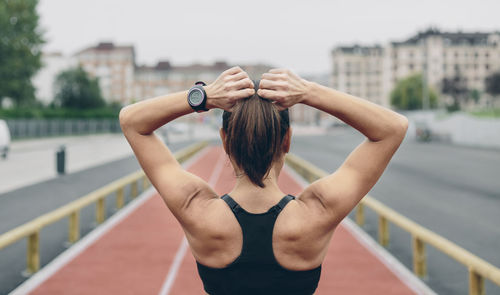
{"points": [[4, 139]]}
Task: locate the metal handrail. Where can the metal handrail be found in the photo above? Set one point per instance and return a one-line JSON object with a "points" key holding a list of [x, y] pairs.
{"points": [[478, 268], [32, 228]]}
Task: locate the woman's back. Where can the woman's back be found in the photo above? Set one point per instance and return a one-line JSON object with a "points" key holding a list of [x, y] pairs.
{"points": [[256, 270]]}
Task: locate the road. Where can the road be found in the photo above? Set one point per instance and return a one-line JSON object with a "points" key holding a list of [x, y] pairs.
{"points": [[452, 190]]}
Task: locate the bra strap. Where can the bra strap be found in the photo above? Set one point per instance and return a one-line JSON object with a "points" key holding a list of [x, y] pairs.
{"points": [[230, 202], [284, 201]]}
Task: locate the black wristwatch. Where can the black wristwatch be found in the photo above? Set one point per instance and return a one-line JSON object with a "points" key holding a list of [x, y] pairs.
{"points": [[197, 97]]}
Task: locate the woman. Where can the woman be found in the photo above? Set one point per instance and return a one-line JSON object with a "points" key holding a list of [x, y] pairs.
{"points": [[256, 239]]}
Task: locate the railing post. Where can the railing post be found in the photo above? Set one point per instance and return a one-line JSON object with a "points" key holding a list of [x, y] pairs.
{"points": [[145, 183], [33, 253], [74, 227], [119, 198], [476, 283], [134, 189], [100, 213], [360, 214], [419, 257], [383, 231]]}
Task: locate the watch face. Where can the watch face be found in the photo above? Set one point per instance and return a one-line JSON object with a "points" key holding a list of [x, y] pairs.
{"points": [[195, 97]]}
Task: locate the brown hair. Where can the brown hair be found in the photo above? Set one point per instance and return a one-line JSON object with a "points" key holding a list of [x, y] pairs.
{"points": [[255, 130]]}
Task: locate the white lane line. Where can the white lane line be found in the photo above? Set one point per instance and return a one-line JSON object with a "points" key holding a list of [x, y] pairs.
{"points": [[174, 268], [394, 265], [217, 170], [179, 256], [67, 256]]}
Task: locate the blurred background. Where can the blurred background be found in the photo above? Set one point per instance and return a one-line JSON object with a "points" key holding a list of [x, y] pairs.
{"points": [[67, 67]]}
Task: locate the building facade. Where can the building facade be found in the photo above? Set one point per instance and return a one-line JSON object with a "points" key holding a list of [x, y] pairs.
{"points": [[372, 72], [114, 66]]}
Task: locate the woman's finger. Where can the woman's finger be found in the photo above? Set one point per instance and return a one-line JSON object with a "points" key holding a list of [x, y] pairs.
{"points": [[232, 71], [277, 71], [238, 76], [273, 77], [272, 85], [242, 84], [242, 93], [267, 93]]}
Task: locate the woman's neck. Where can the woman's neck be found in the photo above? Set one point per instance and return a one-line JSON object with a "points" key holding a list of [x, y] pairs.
{"points": [[256, 196]]}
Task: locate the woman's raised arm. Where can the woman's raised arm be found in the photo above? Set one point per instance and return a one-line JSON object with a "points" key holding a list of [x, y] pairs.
{"points": [[384, 129], [139, 120]]}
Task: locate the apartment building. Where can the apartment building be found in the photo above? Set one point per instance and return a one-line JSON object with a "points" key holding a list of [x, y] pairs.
{"points": [[359, 70], [114, 66], [372, 71]]}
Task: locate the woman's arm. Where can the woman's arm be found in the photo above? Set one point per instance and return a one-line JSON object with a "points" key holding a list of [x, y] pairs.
{"points": [[179, 189], [338, 193]]}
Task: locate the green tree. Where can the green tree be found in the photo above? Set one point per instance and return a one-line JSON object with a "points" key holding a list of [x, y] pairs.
{"points": [[75, 89], [493, 84], [20, 43], [407, 94], [456, 86]]}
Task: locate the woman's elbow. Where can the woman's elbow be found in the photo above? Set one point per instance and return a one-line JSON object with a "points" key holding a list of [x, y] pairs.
{"points": [[124, 117], [401, 126]]}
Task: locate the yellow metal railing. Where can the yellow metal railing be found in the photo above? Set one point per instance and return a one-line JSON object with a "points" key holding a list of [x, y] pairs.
{"points": [[478, 268], [32, 229]]}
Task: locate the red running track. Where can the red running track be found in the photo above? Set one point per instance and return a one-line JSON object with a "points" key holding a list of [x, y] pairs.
{"points": [[137, 255]]}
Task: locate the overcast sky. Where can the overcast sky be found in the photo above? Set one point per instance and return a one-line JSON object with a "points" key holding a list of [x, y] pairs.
{"points": [[293, 34]]}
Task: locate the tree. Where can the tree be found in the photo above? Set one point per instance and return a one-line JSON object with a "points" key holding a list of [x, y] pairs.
{"points": [[493, 84], [407, 94], [20, 43], [456, 87], [75, 89]]}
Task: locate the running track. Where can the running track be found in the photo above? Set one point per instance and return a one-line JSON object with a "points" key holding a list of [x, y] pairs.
{"points": [[146, 253]]}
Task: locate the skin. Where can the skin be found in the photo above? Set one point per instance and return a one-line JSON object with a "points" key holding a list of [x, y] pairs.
{"points": [[303, 229]]}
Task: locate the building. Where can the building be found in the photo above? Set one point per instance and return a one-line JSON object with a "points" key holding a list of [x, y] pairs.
{"points": [[114, 66], [165, 78], [52, 64], [372, 72], [358, 70]]}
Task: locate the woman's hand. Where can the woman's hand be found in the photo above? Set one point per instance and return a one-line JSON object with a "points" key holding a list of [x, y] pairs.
{"points": [[231, 86], [283, 87]]}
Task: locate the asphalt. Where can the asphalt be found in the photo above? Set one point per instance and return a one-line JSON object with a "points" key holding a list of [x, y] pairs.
{"points": [[452, 190], [24, 204]]}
